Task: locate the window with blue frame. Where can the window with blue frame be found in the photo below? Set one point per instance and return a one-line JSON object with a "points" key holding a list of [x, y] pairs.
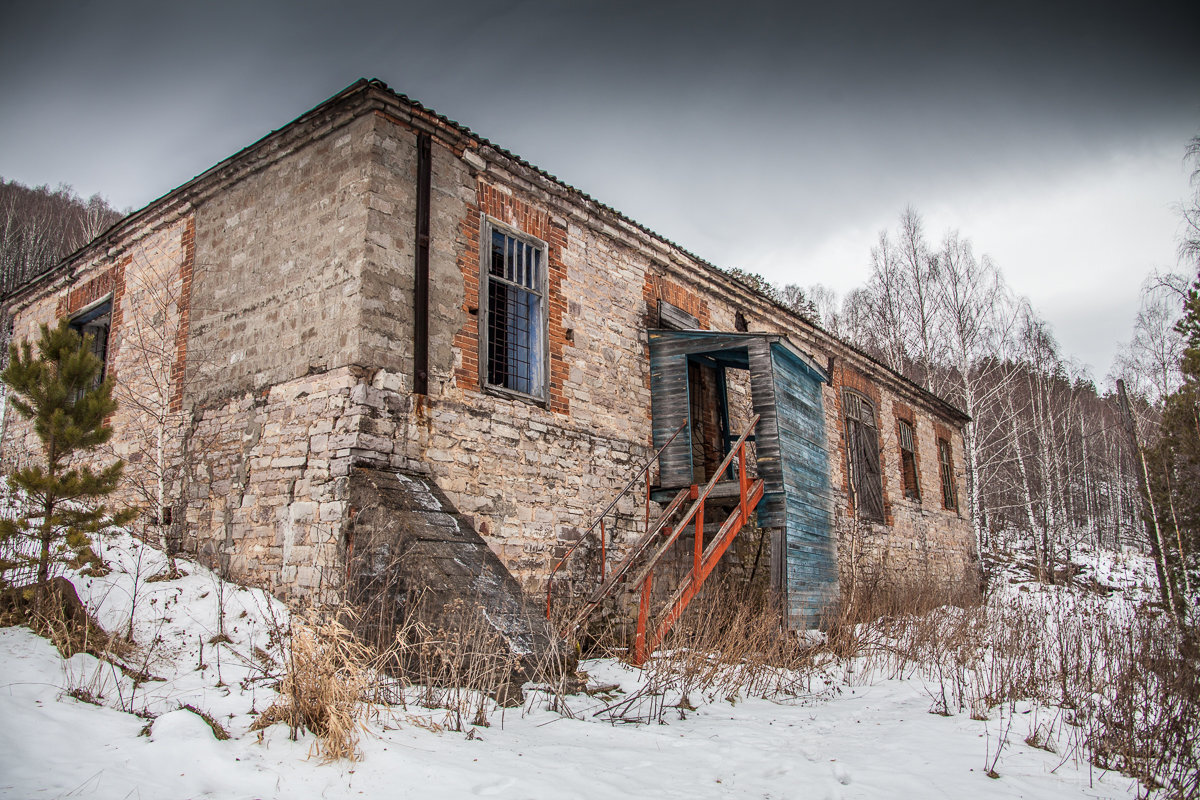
{"points": [[513, 319]]}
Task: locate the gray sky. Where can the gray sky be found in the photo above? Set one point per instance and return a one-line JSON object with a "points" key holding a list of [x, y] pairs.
{"points": [[776, 137]]}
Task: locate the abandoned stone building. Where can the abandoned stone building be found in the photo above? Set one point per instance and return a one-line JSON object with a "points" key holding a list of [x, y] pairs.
{"points": [[374, 313]]}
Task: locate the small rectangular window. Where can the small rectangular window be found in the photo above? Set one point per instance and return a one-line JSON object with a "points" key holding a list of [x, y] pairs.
{"points": [[95, 323], [949, 497], [908, 461], [513, 324]]}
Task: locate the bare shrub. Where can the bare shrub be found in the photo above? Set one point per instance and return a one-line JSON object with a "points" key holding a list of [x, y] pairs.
{"points": [[461, 665], [1122, 690], [730, 644], [327, 676], [456, 660]]}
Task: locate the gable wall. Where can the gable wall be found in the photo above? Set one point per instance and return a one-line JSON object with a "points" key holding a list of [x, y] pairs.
{"points": [[146, 276]]}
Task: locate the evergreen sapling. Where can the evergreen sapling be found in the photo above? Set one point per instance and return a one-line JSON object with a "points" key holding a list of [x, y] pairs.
{"points": [[58, 388]]}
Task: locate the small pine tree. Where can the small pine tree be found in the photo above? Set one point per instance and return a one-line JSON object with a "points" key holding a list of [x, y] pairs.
{"points": [[57, 388]]}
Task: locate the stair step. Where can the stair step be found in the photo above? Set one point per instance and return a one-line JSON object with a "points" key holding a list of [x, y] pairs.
{"points": [[721, 490]]}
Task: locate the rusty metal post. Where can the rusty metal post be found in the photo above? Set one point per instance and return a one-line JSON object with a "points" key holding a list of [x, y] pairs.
{"points": [[743, 480], [639, 643], [603, 550]]}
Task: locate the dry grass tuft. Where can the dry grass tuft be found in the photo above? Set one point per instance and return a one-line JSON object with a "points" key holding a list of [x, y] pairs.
{"points": [[327, 676]]}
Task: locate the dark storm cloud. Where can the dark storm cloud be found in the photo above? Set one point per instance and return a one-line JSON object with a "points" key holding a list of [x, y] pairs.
{"points": [[752, 133], [880, 82]]}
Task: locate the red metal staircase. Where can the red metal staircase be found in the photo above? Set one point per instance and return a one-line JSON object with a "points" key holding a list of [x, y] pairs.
{"points": [[666, 530]]}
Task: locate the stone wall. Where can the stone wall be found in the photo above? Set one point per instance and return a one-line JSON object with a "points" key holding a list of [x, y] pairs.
{"points": [[531, 476], [267, 484], [279, 260]]}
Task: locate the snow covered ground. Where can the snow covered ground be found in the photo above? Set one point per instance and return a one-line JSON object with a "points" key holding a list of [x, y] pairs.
{"points": [[859, 738]]}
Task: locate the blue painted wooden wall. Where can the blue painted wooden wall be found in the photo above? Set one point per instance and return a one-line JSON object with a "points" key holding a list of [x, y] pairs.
{"points": [[810, 546]]}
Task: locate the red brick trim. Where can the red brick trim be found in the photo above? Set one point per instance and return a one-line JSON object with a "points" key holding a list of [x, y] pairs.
{"points": [[657, 288], [466, 341], [903, 411], [187, 242], [941, 431], [109, 282], [502, 205]]}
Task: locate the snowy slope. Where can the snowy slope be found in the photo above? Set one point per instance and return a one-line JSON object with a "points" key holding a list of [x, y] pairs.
{"points": [[865, 738]]}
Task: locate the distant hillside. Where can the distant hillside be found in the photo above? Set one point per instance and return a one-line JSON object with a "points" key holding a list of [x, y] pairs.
{"points": [[40, 225]]}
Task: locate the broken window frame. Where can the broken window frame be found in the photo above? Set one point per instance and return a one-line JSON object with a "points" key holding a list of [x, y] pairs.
{"points": [[946, 467], [95, 321], [864, 475], [906, 435], [516, 274]]}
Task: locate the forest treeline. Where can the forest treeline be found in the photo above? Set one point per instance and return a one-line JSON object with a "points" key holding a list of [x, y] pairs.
{"points": [[39, 226], [1052, 461]]}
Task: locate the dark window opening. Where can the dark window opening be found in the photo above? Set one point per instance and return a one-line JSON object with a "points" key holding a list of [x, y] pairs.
{"points": [[908, 461], [949, 496], [514, 328], [95, 323], [709, 415], [862, 456]]}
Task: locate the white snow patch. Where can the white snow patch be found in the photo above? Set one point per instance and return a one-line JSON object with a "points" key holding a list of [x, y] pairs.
{"points": [[843, 741]]}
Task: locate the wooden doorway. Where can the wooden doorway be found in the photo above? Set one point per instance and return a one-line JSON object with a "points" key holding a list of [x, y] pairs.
{"points": [[709, 414]]}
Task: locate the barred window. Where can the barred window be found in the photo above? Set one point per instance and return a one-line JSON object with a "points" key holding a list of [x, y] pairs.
{"points": [[949, 496], [862, 456], [513, 320], [908, 460]]}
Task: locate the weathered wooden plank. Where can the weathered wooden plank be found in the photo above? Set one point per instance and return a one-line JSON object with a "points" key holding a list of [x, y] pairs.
{"points": [[810, 548], [668, 410], [674, 317]]}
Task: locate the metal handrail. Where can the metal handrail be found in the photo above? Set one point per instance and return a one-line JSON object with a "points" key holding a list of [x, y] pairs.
{"points": [[749, 493], [699, 502], [599, 519]]}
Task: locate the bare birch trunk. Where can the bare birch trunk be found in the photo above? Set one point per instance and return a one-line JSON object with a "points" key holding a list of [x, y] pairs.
{"points": [[1153, 531]]}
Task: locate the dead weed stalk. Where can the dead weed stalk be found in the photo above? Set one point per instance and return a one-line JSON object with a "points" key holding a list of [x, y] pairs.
{"points": [[328, 674], [1120, 686]]}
